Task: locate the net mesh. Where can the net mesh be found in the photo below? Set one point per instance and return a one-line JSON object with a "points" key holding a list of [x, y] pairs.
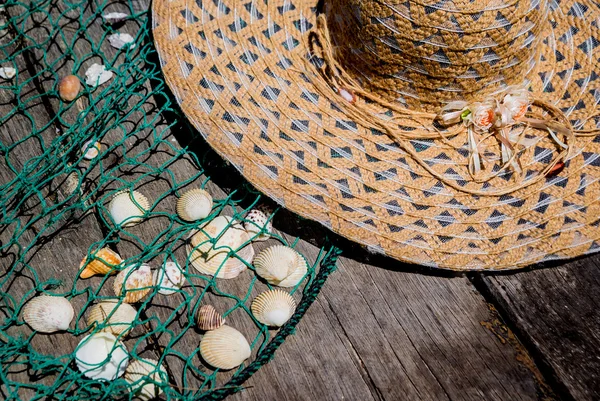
{"points": [[54, 204]]}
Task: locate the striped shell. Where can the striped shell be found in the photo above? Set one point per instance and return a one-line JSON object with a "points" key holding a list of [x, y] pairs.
{"points": [[208, 318], [125, 211], [273, 308], [104, 262], [214, 259], [168, 279], [136, 281], [224, 348], [101, 356], [280, 265], [194, 205], [48, 314], [258, 225], [141, 375], [116, 318]]}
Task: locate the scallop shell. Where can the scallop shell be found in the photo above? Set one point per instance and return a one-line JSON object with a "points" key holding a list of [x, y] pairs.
{"points": [[137, 282], [258, 225], [117, 318], [48, 314], [194, 205], [103, 262], [97, 75], [273, 308], [224, 348], [169, 278], [212, 259], [142, 374], [208, 318], [91, 150], [124, 210], [280, 265], [101, 356]]}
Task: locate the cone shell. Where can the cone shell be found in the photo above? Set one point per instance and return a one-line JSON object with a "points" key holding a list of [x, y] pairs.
{"points": [[103, 262], [208, 318], [117, 318], [137, 282], [101, 356], [224, 348], [124, 210], [212, 259], [168, 279], [141, 374], [194, 205], [280, 265], [273, 308], [48, 314], [257, 221]]}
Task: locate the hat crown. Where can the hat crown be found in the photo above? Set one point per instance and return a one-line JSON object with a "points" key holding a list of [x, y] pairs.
{"points": [[426, 53]]}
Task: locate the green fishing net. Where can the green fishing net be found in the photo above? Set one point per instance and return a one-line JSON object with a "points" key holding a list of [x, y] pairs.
{"points": [[55, 195]]}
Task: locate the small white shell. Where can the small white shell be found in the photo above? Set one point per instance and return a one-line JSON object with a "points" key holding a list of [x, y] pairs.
{"points": [[113, 18], [120, 40], [273, 307], [124, 210], [48, 314], [280, 265], [7, 72], [169, 278], [142, 374], [224, 348], [117, 318], [208, 318], [194, 205], [91, 150], [97, 74], [137, 282], [101, 356], [257, 222]]}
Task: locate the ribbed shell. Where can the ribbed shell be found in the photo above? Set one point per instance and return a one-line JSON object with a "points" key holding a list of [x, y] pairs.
{"points": [[194, 205], [141, 373], [103, 263], [169, 278], [123, 209], [257, 220], [224, 348], [212, 259], [117, 318], [101, 356], [280, 265], [138, 283], [273, 308], [48, 314], [208, 318]]}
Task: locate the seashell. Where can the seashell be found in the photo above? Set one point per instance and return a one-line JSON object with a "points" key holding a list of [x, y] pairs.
{"points": [[142, 374], [97, 74], [208, 318], [7, 72], [280, 265], [48, 314], [125, 211], [69, 87], [169, 278], [137, 282], [116, 317], [224, 348], [91, 150], [113, 18], [194, 205], [101, 356], [273, 307], [212, 259], [103, 262], [258, 225], [120, 40]]}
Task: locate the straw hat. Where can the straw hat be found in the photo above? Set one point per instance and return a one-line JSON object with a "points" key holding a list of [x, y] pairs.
{"points": [[451, 133]]}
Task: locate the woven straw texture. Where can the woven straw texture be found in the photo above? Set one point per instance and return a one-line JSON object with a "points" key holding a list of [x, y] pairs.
{"points": [[247, 75]]}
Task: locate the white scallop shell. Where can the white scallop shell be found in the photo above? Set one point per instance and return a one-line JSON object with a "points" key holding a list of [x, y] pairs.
{"points": [[116, 317], [213, 259], [125, 211], [137, 282], [169, 278], [258, 222], [224, 348], [97, 74], [48, 314], [91, 150], [142, 374], [194, 205], [119, 40], [7, 72], [101, 356], [280, 265], [273, 307]]}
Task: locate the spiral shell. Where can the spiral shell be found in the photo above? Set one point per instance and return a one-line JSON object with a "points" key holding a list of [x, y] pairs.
{"points": [[280, 265], [142, 374], [168, 279], [48, 314], [135, 281], [117, 318], [214, 259], [104, 261], [224, 348], [194, 205], [273, 308], [208, 318], [258, 225], [124, 210], [101, 356]]}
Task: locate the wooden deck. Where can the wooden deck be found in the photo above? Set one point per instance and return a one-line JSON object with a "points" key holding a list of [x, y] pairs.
{"points": [[380, 330]]}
